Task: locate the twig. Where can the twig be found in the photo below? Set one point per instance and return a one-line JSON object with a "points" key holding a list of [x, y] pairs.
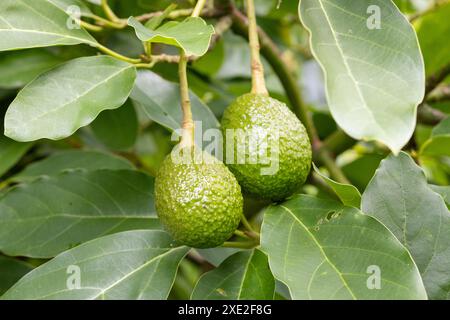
{"points": [[434, 80], [108, 12]]}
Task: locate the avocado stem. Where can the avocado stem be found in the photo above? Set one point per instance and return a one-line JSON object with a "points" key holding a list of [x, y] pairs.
{"points": [[258, 81], [187, 125]]}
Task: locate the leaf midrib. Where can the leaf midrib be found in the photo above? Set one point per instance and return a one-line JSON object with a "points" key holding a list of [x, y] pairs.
{"points": [[321, 251]]}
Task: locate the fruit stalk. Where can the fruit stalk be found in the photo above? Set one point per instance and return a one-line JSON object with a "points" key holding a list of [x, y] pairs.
{"points": [[258, 82], [187, 126]]}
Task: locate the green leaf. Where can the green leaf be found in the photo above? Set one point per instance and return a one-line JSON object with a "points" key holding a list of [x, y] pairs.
{"points": [[192, 35], [52, 214], [138, 264], [444, 191], [117, 129], [11, 270], [37, 23], [11, 152], [374, 77], [439, 142], [67, 5], [362, 169], [243, 276], [432, 30], [401, 199], [19, 68], [347, 193], [71, 160], [163, 105], [59, 102], [323, 250], [216, 256]]}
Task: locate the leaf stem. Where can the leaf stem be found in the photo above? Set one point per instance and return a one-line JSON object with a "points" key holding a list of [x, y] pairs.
{"points": [[116, 55], [240, 244], [108, 11], [258, 81], [242, 234], [90, 27]]}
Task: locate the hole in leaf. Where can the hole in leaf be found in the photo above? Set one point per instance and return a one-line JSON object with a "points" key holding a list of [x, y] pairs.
{"points": [[330, 215]]}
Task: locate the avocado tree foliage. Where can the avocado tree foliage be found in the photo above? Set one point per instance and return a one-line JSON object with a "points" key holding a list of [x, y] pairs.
{"points": [[93, 95]]}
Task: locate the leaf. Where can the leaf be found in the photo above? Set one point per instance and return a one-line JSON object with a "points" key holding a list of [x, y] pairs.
{"points": [[243, 276], [21, 67], [117, 129], [11, 270], [67, 5], [140, 265], [401, 199], [323, 250], [432, 30], [11, 152], [37, 23], [192, 35], [439, 142], [216, 256], [163, 105], [71, 160], [443, 191], [52, 214], [362, 169], [374, 77], [59, 102], [347, 193]]}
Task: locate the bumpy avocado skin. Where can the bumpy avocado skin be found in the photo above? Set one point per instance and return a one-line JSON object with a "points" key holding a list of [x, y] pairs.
{"points": [[200, 204], [259, 111]]}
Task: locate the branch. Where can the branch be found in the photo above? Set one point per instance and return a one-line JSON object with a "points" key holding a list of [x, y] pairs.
{"points": [[434, 80]]}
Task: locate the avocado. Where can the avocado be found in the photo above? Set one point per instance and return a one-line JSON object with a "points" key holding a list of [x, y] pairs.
{"points": [[198, 200], [266, 119]]}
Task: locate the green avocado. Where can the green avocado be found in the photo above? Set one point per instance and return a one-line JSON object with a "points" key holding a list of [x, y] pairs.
{"points": [[274, 136], [198, 200]]}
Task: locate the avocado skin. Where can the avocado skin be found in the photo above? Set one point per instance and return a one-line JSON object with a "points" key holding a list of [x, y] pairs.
{"points": [[200, 204], [258, 111]]}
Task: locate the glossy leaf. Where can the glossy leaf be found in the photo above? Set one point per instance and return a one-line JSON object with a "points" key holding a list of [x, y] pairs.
{"points": [[49, 215], [59, 102], [243, 276], [37, 23], [323, 250], [193, 35], [11, 152], [117, 129], [129, 265], [11, 270], [401, 199], [374, 76], [21, 67], [72, 160], [347, 193], [163, 105]]}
